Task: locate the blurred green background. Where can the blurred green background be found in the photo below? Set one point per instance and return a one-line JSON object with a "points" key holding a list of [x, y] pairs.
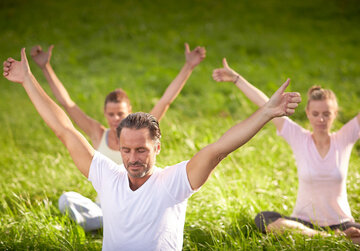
{"points": [[138, 46]]}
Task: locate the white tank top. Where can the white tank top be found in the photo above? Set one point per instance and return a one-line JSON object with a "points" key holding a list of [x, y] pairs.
{"points": [[107, 151]]}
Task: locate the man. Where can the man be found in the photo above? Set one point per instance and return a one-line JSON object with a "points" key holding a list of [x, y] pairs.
{"points": [[144, 207], [117, 106]]}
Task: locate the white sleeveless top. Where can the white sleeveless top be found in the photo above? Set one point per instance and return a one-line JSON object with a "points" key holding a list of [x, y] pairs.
{"points": [[107, 151]]}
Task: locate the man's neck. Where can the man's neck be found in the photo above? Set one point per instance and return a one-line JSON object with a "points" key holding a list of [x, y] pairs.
{"points": [[135, 183]]}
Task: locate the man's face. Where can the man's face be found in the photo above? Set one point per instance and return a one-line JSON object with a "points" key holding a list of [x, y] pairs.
{"points": [[138, 152]]}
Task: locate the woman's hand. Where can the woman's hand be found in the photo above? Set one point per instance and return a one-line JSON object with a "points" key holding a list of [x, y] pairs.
{"points": [[194, 57], [17, 71], [41, 57], [225, 74]]}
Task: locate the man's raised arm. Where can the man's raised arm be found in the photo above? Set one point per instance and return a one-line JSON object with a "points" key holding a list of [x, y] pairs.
{"points": [[201, 165], [80, 150]]}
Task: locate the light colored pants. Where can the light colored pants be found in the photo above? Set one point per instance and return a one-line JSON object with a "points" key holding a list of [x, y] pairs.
{"points": [[82, 210]]}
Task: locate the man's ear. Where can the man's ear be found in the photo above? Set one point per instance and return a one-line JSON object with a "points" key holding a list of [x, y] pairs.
{"points": [[157, 148]]}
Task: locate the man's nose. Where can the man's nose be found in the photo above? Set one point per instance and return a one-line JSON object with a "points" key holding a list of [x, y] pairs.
{"points": [[133, 157]]}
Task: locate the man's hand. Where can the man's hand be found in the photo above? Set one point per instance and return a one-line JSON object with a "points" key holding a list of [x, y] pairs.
{"points": [[225, 74], [283, 103], [17, 71], [194, 57], [41, 57]]}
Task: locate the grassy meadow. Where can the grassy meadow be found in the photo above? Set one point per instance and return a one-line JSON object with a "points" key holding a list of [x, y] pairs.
{"points": [[138, 46]]}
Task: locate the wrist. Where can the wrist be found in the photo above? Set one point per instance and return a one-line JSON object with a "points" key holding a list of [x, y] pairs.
{"points": [[236, 78], [46, 67], [28, 77], [267, 112], [189, 66]]}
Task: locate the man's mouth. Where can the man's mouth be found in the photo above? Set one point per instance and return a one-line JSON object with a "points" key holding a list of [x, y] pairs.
{"points": [[136, 165]]}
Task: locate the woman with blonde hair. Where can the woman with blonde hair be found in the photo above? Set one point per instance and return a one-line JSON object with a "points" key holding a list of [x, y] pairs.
{"points": [[322, 159]]}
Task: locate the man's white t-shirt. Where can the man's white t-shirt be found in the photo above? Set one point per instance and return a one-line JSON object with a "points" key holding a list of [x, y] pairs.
{"points": [[322, 196], [149, 218]]}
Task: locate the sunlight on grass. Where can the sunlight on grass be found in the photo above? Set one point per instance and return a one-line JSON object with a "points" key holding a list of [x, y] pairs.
{"points": [[138, 46]]}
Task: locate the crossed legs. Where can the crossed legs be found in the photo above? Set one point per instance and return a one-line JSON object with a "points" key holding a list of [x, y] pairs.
{"points": [[269, 221]]}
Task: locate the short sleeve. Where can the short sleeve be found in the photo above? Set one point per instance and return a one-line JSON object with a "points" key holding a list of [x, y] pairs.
{"points": [[292, 132], [349, 133], [176, 183], [100, 169]]}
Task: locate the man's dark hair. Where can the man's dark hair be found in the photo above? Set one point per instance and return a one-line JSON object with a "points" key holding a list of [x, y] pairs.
{"points": [[141, 120]]}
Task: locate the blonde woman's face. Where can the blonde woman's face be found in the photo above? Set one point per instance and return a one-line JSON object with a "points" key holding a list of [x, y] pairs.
{"points": [[321, 114]]}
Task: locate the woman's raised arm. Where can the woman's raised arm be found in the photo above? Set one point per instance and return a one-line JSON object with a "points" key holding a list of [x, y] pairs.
{"points": [[193, 58], [80, 150], [226, 74], [89, 125]]}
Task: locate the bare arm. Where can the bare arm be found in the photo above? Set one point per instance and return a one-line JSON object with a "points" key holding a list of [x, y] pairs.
{"points": [[226, 74], [80, 150], [193, 58], [201, 165], [90, 126]]}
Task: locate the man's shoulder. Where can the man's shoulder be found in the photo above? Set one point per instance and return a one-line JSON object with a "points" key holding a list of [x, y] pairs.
{"points": [[101, 161], [176, 169], [181, 164]]}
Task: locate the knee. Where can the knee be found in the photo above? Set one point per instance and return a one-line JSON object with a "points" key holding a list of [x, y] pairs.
{"points": [[264, 218], [64, 202]]}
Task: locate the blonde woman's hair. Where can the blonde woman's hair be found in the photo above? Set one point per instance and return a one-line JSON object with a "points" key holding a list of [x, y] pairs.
{"points": [[317, 93]]}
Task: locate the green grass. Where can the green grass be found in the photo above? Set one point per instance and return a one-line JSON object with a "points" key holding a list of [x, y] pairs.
{"points": [[138, 46]]}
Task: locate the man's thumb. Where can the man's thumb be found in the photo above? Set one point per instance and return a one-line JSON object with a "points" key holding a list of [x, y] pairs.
{"points": [[284, 86]]}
